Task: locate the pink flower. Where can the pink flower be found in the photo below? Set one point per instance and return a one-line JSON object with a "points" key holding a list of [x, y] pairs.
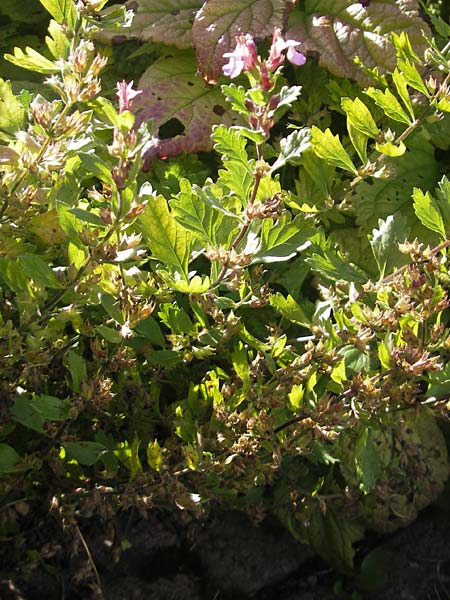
{"points": [[243, 58], [279, 45], [126, 95]]}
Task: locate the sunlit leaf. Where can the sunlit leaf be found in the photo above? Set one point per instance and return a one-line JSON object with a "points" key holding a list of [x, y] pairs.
{"points": [[341, 30], [168, 241]]}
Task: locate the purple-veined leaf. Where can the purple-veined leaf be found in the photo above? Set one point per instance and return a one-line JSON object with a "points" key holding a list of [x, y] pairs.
{"points": [[165, 21], [172, 91], [219, 21], [341, 30]]}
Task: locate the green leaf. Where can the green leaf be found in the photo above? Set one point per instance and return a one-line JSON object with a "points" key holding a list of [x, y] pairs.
{"points": [[85, 453], [78, 370], [359, 141], [51, 408], [154, 456], [402, 89], [389, 104], [391, 149], [23, 412], [87, 216], [359, 116], [385, 241], [63, 11], [32, 60], [439, 382], [332, 266], [111, 335], [333, 538], [328, 147], [427, 211], [12, 113], [57, 41], [95, 166], [281, 240], [443, 200], [238, 174], [191, 209], [169, 242], [292, 147], [369, 465], [151, 330], [290, 309], [8, 459], [38, 270], [236, 96]]}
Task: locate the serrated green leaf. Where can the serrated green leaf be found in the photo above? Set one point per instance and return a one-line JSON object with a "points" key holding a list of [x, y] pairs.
{"points": [[164, 21], [391, 149], [237, 176], [63, 11], [412, 77], [12, 113], [359, 141], [329, 147], [402, 89], [8, 459], [32, 61], [389, 104], [290, 309], [190, 209], [57, 41], [359, 116], [37, 269], [427, 211], [169, 242], [282, 239], [86, 453], [385, 242], [292, 147]]}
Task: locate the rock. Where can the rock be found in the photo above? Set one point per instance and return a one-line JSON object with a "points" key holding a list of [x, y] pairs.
{"points": [[240, 559]]}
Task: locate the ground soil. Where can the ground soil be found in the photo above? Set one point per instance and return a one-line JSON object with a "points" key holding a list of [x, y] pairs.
{"points": [[165, 557]]}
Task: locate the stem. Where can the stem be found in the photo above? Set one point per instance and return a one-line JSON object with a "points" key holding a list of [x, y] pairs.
{"points": [[37, 160], [242, 233]]}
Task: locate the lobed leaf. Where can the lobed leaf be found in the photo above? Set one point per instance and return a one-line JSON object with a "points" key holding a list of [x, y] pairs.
{"points": [[168, 241]]}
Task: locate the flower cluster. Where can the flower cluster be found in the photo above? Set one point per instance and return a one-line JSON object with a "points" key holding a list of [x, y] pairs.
{"points": [[244, 57]]}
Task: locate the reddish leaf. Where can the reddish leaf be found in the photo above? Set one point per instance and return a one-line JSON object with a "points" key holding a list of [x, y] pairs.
{"points": [[166, 21], [341, 30], [219, 21], [171, 90]]}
